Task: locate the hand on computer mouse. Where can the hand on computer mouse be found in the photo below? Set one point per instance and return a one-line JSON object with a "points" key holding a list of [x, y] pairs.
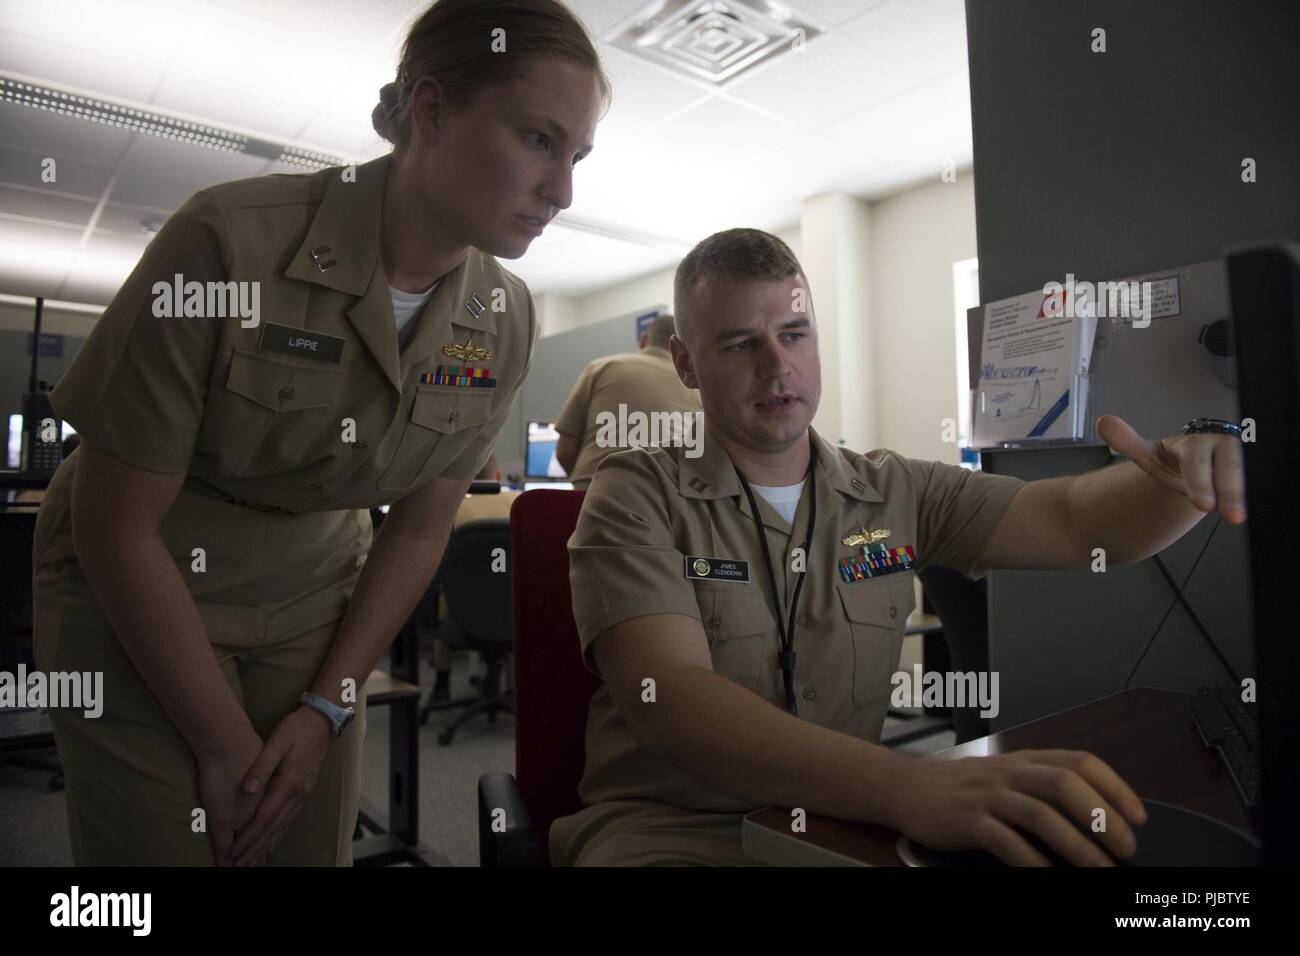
{"points": [[995, 803]]}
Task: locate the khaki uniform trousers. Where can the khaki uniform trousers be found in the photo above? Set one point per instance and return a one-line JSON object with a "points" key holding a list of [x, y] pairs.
{"points": [[646, 833], [271, 599]]}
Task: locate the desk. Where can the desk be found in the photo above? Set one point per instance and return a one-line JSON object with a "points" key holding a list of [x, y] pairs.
{"points": [[400, 691], [1147, 736]]}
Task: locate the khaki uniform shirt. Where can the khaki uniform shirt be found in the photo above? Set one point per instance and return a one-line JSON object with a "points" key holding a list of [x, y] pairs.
{"points": [[644, 381], [650, 513], [312, 416]]}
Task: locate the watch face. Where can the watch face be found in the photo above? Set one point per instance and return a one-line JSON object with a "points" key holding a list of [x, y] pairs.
{"points": [[348, 714]]}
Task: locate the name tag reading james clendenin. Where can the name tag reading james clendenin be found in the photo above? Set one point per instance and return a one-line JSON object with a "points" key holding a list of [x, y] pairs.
{"points": [[717, 569]]}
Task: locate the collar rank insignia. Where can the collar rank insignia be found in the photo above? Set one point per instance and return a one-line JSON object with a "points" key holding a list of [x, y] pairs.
{"points": [[323, 257], [475, 305]]}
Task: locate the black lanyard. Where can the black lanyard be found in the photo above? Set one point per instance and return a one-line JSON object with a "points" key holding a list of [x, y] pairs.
{"points": [[786, 657]]}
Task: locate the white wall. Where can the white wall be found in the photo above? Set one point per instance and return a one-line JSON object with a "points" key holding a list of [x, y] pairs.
{"points": [[562, 312], [916, 237]]}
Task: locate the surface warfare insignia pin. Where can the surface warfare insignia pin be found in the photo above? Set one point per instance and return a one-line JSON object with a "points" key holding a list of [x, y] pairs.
{"points": [[863, 536], [717, 569], [469, 352], [323, 257]]}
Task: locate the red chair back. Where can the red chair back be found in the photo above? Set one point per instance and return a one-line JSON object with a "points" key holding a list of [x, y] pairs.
{"points": [[553, 689]]}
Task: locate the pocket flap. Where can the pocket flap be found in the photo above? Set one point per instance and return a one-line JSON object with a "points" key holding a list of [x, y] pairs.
{"points": [[280, 384], [884, 603], [736, 613], [446, 408]]}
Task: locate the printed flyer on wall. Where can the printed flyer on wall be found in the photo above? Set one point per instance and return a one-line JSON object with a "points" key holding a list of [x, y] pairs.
{"points": [[1033, 375]]}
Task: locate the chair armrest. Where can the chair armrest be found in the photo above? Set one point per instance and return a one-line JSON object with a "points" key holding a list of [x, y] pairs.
{"points": [[508, 839]]}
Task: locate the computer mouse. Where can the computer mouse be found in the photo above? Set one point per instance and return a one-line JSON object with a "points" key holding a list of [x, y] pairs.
{"points": [[1172, 836]]}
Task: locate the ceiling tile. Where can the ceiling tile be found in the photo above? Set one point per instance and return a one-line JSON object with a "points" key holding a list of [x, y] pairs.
{"points": [[29, 204], [926, 38], [58, 135], [829, 80], [572, 262], [74, 177]]}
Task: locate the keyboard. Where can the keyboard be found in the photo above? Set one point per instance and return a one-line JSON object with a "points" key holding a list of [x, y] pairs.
{"points": [[1230, 726]]}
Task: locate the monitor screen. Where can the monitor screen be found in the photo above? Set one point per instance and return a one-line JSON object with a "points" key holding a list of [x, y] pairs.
{"points": [[539, 455]]}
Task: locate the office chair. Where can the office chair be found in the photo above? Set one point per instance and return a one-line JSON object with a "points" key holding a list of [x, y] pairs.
{"points": [[478, 603], [552, 690], [962, 605]]}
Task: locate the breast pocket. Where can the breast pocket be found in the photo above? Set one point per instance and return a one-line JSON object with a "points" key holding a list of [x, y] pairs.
{"points": [[742, 635], [443, 421], [876, 614], [274, 416]]}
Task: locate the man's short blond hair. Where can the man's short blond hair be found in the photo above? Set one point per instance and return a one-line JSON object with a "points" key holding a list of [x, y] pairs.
{"points": [[733, 254]]}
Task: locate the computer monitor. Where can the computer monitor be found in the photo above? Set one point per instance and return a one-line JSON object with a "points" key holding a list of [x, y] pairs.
{"points": [[1264, 285], [539, 453], [14, 446]]}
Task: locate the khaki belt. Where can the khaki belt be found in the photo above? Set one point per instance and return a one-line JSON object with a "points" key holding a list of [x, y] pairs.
{"points": [[202, 487]]}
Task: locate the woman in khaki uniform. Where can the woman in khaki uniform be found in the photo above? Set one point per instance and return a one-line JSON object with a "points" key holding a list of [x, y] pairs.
{"points": [[246, 398]]}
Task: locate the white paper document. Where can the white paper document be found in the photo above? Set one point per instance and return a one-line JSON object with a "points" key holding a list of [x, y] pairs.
{"points": [[1033, 375]]}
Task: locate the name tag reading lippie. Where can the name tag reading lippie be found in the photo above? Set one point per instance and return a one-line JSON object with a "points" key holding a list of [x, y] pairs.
{"points": [[301, 343], [717, 569]]}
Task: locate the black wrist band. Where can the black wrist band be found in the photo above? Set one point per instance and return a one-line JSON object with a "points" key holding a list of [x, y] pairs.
{"points": [[1213, 426]]}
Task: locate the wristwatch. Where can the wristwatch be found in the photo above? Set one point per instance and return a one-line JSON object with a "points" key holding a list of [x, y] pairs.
{"points": [[339, 717], [1214, 426]]}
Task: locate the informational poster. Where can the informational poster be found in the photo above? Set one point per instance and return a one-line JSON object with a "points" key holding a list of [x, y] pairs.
{"points": [[1033, 369]]}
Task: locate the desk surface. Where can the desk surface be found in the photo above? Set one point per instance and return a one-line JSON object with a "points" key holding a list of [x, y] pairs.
{"points": [[1147, 736], [921, 623]]}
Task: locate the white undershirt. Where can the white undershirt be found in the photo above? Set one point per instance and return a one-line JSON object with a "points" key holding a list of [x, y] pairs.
{"points": [[406, 305], [784, 498]]}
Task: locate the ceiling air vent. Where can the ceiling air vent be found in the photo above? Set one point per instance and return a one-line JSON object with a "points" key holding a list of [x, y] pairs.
{"points": [[712, 40]]}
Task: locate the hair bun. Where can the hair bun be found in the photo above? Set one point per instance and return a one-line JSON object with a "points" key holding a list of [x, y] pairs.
{"points": [[381, 117]]}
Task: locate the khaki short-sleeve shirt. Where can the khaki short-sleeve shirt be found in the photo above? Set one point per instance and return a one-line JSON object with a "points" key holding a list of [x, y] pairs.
{"points": [[643, 383], [662, 533], [254, 347]]}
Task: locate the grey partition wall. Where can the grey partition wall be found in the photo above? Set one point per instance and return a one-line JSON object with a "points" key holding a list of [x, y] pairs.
{"points": [[556, 364], [1105, 165]]}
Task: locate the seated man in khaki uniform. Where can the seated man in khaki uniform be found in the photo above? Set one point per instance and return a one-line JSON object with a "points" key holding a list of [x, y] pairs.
{"points": [[745, 609], [641, 382]]}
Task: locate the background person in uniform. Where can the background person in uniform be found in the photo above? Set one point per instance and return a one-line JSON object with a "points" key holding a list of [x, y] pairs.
{"points": [[473, 508], [671, 586], [644, 382], [208, 547]]}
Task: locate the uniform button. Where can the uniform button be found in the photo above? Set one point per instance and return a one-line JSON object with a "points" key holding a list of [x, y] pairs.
{"points": [[715, 623], [809, 694], [452, 416], [893, 612], [360, 445], [286, 392], [803, 618]]}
